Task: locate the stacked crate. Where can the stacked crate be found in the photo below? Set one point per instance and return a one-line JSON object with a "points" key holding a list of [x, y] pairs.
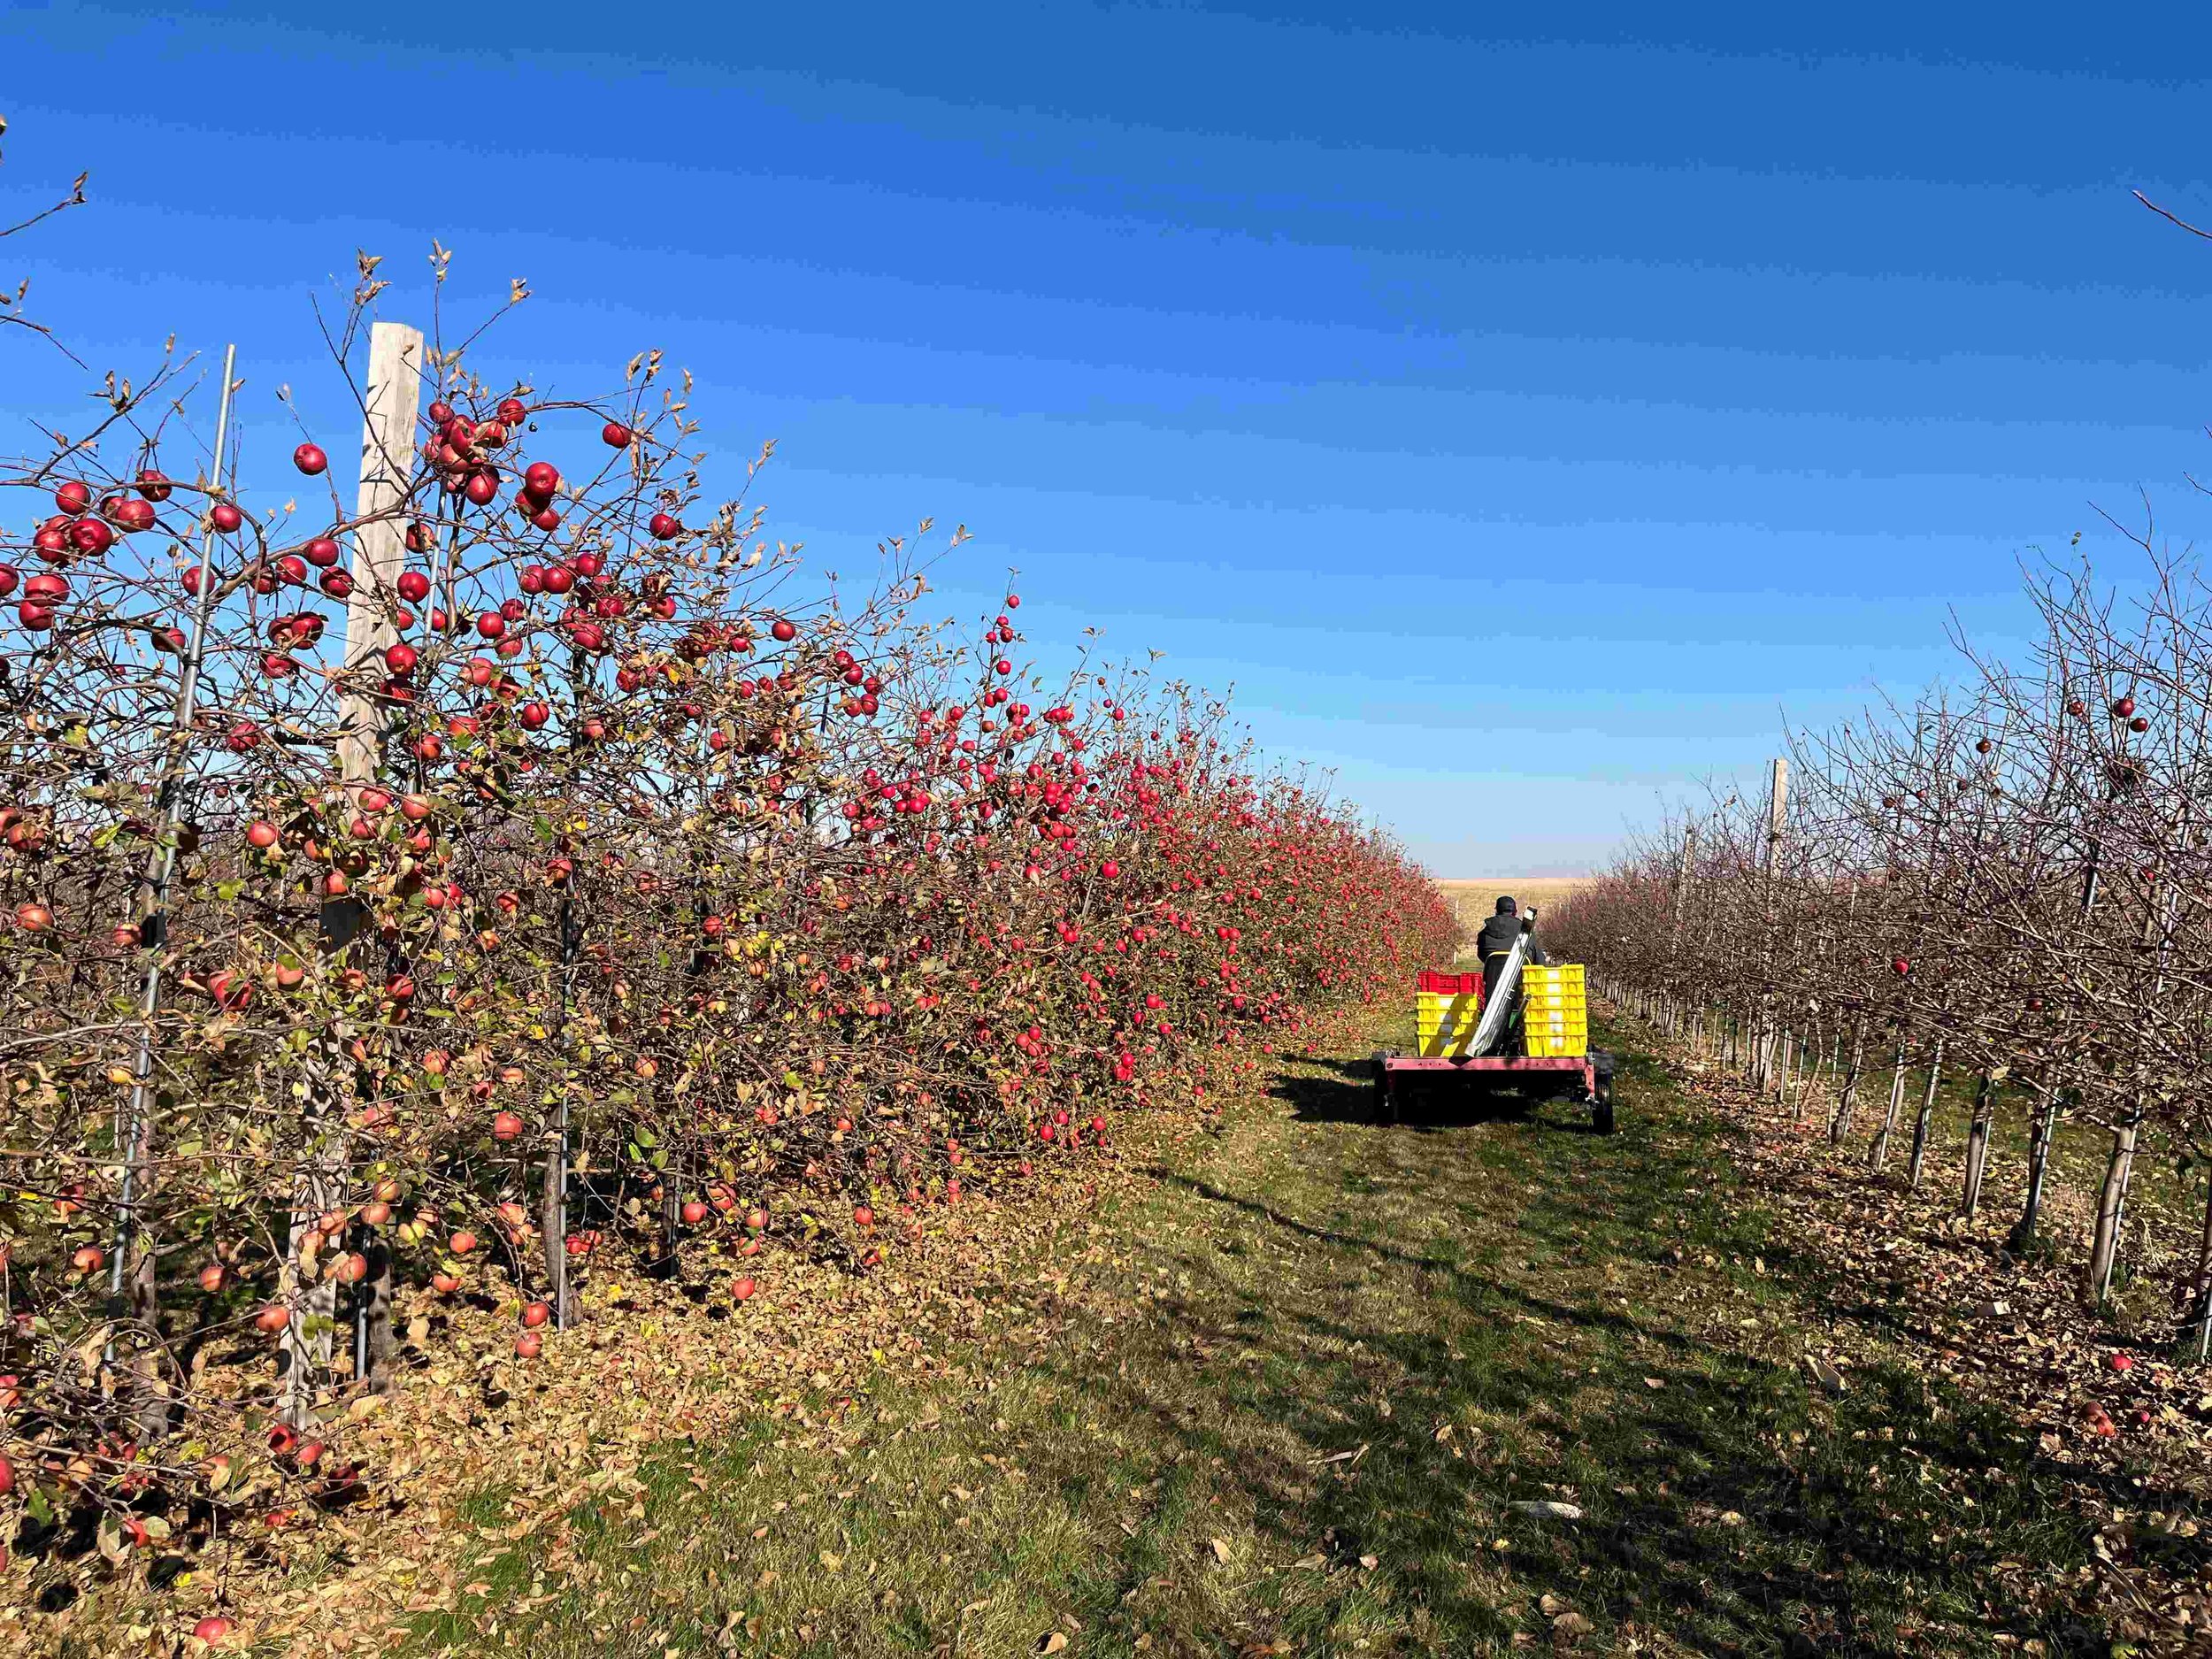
{"points": [[1556, 1010], [1446, 1009]]}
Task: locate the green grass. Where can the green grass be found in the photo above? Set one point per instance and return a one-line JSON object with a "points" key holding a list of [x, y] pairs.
{"points": [[1281, 1398]]}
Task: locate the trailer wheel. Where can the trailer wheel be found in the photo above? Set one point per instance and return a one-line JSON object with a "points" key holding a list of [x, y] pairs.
{"points": [[1602, 1111], [1385, 1108]]}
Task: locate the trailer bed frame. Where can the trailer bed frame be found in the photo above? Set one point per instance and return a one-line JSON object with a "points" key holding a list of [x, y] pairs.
{"points": [[1593, 1070]]}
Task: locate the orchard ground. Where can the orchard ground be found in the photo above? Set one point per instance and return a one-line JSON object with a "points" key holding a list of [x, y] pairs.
{"points": [[1311, 1386]]}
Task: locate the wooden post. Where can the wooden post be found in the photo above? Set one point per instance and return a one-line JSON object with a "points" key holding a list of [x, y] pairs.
{"points": [[1777, 796], [1763, 1034], [387, 442], [380, 545]]}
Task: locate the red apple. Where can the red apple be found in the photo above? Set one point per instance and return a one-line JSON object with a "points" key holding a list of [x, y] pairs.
{"points": [[309, 459]]}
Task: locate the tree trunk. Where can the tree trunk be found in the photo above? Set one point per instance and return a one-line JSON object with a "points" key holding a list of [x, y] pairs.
{"points": [[2204, 1281], [1839, 1126], [2022, 1238], [374, 1314], [1927, 1114], [1877, 1154], [553, 1192], [311, 1296], [2104, 1248], [152, 1405], [1978, 1144]]}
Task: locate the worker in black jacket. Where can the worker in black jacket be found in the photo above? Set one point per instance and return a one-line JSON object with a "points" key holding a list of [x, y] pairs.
{"points": [[1494, 943]]}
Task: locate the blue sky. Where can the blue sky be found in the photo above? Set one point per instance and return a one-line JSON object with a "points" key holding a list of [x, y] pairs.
{"points": [[1526, 425]]}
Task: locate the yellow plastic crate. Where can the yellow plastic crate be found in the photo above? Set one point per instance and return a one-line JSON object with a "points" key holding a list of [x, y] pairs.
{"points": [[1554, 1011], [1445, 1022]]}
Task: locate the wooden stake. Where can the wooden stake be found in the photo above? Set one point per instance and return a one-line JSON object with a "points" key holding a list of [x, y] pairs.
{"points": [[387, 441]]}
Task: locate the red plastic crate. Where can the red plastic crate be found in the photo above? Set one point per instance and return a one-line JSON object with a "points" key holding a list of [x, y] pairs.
{"points": [[1449, 984]]}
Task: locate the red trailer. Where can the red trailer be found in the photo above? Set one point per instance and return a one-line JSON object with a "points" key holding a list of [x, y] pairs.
{"points": [[1517, 1044], [1587, 1078]]}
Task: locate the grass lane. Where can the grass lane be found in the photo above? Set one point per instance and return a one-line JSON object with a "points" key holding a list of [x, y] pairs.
{"points": [[1283, 1396]]}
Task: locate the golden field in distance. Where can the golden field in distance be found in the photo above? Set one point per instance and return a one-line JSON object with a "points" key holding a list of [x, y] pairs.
{"points": [[1473, 900]]}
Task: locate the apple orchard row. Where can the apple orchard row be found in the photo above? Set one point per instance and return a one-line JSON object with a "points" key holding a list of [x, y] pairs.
{"points": [[2006, 886], [672, 910]]}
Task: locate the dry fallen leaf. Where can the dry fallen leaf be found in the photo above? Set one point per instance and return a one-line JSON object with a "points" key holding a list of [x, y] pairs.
{"points": [[1548, 1509], [1054, 1642], [1221, 1551]]}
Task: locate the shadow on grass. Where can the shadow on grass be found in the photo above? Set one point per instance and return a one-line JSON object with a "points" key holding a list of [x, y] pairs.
{"points": [[1723, 1501], [1356, 1346], [1424, 1103]]}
